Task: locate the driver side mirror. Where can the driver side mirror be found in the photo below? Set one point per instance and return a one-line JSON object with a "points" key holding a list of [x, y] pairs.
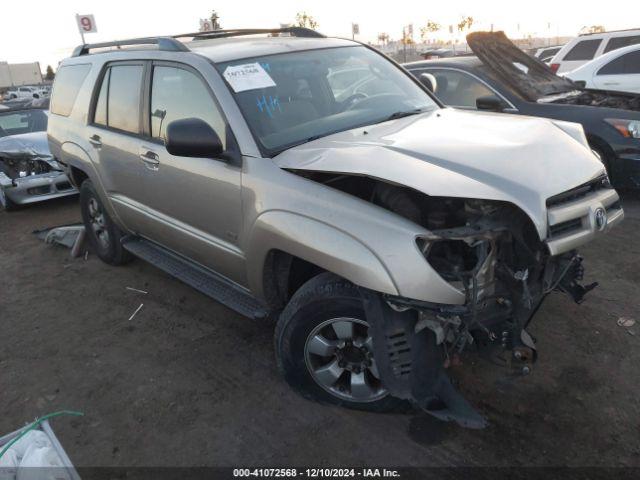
{"points": [[428, 81], [193, 137], [490, 103]]}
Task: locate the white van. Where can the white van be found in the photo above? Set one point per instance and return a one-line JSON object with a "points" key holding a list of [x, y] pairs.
{"points": [[588, 46]]}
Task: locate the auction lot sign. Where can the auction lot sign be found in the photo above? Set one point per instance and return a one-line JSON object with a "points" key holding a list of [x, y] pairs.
{"points": [[86, 24]]}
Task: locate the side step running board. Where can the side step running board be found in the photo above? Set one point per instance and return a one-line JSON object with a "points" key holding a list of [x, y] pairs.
{"points": [[203, 280]]}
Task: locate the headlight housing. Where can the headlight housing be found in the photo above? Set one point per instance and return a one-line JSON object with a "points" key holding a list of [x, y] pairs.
{"points": [[627, 128]]}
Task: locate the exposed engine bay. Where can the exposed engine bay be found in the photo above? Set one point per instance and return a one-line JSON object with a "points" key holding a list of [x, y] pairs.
{"points": [[28, 172], [489, 250], [596, 98]]}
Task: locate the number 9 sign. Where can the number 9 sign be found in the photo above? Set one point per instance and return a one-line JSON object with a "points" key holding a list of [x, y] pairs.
{"points": [[86, 24]]}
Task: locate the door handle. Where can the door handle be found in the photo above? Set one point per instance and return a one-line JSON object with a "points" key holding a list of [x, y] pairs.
{"points": [[150, 159], [95, 141]]}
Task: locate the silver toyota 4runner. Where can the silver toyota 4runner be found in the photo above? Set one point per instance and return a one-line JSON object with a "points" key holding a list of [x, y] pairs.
{"points": [[315, 181]]}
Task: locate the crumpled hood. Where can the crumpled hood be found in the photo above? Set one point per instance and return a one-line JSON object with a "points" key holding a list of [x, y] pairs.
{"points": [[454, 153], [33, 145], [531, 78]]}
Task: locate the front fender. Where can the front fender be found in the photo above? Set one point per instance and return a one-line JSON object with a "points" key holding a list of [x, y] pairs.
{"points": [[318, 243]]}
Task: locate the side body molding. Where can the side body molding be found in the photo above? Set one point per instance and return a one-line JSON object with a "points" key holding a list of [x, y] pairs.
{"points": [[316, 242]]}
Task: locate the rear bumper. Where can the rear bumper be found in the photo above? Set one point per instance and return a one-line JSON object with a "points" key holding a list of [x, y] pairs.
{"points": [[35, 188]]}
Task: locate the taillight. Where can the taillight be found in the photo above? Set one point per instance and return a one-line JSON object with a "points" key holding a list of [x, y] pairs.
{"points": [[555, 67]]}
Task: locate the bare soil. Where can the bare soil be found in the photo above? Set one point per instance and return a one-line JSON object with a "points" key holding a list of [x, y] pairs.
{"points": [[188, 382]]}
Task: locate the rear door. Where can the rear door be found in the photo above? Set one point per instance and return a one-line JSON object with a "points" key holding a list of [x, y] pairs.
{"points": [[115, 134], [195, 203], [621, 74]]}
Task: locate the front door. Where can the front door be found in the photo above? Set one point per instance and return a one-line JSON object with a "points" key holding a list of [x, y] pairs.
{"points": [[195, 203]]}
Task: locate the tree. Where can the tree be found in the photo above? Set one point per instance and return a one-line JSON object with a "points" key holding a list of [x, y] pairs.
{"points": [[306, 21], [431, 27], [593, 29], [215, 21], [465, 24], [49, 75]]}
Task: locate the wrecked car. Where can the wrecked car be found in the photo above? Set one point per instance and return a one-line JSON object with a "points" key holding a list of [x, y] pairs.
{"points": [[386, 234], [503, 78], [28, 171]]}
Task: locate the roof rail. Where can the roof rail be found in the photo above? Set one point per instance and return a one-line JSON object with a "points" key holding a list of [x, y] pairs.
{"points": [[294, 31], [608, 31], [164, 43], [172, 44]]}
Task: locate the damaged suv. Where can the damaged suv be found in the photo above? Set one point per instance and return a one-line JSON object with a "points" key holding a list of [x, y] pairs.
{"points": [[384, 232]]}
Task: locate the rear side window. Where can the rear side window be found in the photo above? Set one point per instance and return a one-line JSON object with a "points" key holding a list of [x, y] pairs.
{"points": [[67, 85], [583, 50], [177, 94], [628, 63], [118, 104], [619, 42]]}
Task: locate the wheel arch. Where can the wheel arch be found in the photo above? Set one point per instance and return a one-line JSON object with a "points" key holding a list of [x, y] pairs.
{"points": [[286, 249]]}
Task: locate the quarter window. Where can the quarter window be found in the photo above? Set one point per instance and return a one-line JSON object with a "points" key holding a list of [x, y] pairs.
{"points": [[67, 85], [583, 50], [177, 94]]}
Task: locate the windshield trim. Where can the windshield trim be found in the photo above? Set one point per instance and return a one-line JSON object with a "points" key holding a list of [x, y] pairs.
{"points": [[273, 152]]}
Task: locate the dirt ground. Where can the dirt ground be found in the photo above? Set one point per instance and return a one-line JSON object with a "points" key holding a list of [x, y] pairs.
{"points": [[188, 382]]}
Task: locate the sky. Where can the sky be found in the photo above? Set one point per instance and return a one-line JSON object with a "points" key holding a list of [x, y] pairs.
{"points": [[47, 31]]}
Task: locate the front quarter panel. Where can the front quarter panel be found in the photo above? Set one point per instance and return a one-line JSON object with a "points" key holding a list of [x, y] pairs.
{"points": [[350, 237]]}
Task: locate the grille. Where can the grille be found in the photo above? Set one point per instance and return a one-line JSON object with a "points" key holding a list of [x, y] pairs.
{"points": [[579, 191]]}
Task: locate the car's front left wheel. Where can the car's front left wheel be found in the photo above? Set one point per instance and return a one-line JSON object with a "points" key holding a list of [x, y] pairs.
{"points": [[324, 347]]}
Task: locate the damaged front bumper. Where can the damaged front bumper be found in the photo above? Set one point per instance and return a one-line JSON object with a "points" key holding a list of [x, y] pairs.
{"points": [[505, 281], [34, 188]]}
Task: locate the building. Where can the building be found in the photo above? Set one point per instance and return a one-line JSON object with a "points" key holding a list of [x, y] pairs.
{"points": [[16, 74]]}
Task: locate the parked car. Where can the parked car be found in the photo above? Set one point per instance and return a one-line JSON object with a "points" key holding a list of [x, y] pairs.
{"points": [[25, 93], [545, 54], [502, 78], [618, 70], [28, 171], [385, 233], [588, 46]]}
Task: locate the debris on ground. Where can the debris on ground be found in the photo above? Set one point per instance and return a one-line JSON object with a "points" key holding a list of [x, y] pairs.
{"points": [[626, 322], [70, 236], [136, 312], [136, 290], [35, 450]]}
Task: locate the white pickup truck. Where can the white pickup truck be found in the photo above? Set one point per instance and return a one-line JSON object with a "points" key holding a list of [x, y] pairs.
{"points": [[26, 92]]}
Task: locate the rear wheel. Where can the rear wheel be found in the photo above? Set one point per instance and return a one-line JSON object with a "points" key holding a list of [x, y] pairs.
{"points": [[104, 235], [324, 348]]}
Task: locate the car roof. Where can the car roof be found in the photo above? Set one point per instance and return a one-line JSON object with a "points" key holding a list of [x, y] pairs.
{"points": [[235, 48]]}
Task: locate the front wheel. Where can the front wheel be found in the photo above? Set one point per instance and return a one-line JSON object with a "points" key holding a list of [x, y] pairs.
{"points": [[324, 347]]}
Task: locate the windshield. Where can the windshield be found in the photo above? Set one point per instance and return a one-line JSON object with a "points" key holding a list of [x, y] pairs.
{"points": [[22, 121], [292, 98]]}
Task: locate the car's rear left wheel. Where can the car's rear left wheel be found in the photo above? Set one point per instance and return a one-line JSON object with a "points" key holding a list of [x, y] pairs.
{"points": [[104, 235]]}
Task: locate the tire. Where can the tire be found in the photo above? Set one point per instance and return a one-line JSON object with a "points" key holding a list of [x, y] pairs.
{"points": [[322, 305], [604, 158], [104, 235], [9, 205]]}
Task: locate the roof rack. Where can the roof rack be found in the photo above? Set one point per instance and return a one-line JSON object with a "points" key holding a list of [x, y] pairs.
{"points": [[294, 31], [164, 43], [172, 44]]}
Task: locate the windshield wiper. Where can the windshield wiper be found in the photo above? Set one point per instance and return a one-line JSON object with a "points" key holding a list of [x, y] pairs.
{"points": [[403, 113]]}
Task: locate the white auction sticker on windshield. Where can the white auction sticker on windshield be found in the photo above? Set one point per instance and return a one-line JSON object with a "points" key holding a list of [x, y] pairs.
{"points": [[249, 76]]}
